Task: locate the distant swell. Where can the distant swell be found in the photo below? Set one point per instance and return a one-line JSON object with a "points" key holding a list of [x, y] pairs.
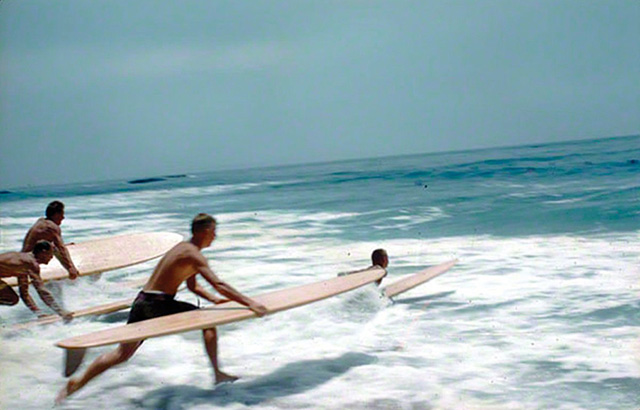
{"points": [[146, 180]]}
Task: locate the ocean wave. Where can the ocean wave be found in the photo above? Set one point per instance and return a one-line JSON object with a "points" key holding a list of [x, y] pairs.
{"points": [[542, 303]]}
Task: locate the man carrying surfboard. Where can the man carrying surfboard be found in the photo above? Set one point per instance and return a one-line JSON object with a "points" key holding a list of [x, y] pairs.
{"points": [[25, 266], [48, 228], [380, 258], [156, 299]]}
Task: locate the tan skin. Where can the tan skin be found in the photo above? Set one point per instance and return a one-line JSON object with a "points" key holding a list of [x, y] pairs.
{"points": [[182, 262], [49, 229], [26, 267]]}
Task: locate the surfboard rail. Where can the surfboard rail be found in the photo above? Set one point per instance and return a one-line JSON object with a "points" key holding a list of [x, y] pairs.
{"points": [[94, 310], [103, 309], [205, 318]]}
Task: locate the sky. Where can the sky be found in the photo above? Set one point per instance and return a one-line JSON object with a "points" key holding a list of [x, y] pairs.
{"points": [[94, 90]]}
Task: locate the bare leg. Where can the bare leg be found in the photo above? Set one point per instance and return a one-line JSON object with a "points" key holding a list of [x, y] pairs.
{"points": [[103, 362], [211, 344], [7, 296]]}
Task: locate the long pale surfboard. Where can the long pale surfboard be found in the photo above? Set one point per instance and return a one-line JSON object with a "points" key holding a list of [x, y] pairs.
{"points": [[102, 255], [410, 282], [95, 310], [231, 312], [396, 288], [91, 311]]}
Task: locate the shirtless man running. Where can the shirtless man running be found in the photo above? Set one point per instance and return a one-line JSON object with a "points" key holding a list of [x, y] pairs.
{"points": [[156, 299], [25, 266], [48, 228]]}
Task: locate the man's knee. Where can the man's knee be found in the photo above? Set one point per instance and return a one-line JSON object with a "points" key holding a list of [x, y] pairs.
{"points": [[123, 354], [7, 295], [122, 357], [209, 334]]}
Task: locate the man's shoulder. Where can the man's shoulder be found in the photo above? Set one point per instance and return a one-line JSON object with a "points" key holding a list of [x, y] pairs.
{"points": [[183, 246], [51, 225], [45, 225], [28, 261], [10, 257], [35, 266], [185, 250]]}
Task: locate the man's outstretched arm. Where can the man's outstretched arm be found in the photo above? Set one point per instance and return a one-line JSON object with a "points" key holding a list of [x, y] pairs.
{"points": [[23, 290], [227, 290], [195, 287], [48, 298], [62, 254]]}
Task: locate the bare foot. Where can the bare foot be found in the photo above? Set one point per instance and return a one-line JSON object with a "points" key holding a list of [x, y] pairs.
{"points": [[66, 391], [222, 377]]}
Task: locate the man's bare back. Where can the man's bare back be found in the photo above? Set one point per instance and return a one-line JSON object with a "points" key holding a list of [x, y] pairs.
{"points": [[42, 229], [26, 267], [178, 264], [48, 229], [13, 264]]}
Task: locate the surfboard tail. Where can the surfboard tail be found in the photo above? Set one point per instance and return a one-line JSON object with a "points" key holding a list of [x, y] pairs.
{"points": [[72, 360]]}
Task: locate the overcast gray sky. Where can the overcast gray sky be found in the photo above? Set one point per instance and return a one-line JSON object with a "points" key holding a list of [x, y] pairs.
{"points": [[104, 89]]}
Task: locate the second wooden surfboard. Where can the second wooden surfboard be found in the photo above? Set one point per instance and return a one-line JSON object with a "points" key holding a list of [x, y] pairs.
{"points": [[416, 279], [231, 312], [102, 255]]}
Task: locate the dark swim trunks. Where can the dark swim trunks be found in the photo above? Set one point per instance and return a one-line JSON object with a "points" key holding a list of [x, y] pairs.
{"points": [[155, 304], [7, 295]]}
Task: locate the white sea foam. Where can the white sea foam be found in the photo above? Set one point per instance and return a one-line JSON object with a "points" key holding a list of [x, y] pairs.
{"points": [[523, 321], [496, 324]]}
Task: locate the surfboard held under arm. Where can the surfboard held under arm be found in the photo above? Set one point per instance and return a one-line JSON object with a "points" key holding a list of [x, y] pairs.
{"points": [[232, 312], [106, 254]]}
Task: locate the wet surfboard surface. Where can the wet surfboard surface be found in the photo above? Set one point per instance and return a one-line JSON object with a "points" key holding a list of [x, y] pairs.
{"points": [[410, 282], [106, 254], [229, 312]]}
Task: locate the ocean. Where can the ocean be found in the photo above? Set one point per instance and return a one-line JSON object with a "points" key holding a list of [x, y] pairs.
{"points": [[541, 312]]}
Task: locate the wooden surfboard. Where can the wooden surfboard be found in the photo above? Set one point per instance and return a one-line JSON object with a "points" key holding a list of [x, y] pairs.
{"points": [[96, 310], [102, 255], [231, 312], [92, 311], [396, 288], [416, 279]]}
